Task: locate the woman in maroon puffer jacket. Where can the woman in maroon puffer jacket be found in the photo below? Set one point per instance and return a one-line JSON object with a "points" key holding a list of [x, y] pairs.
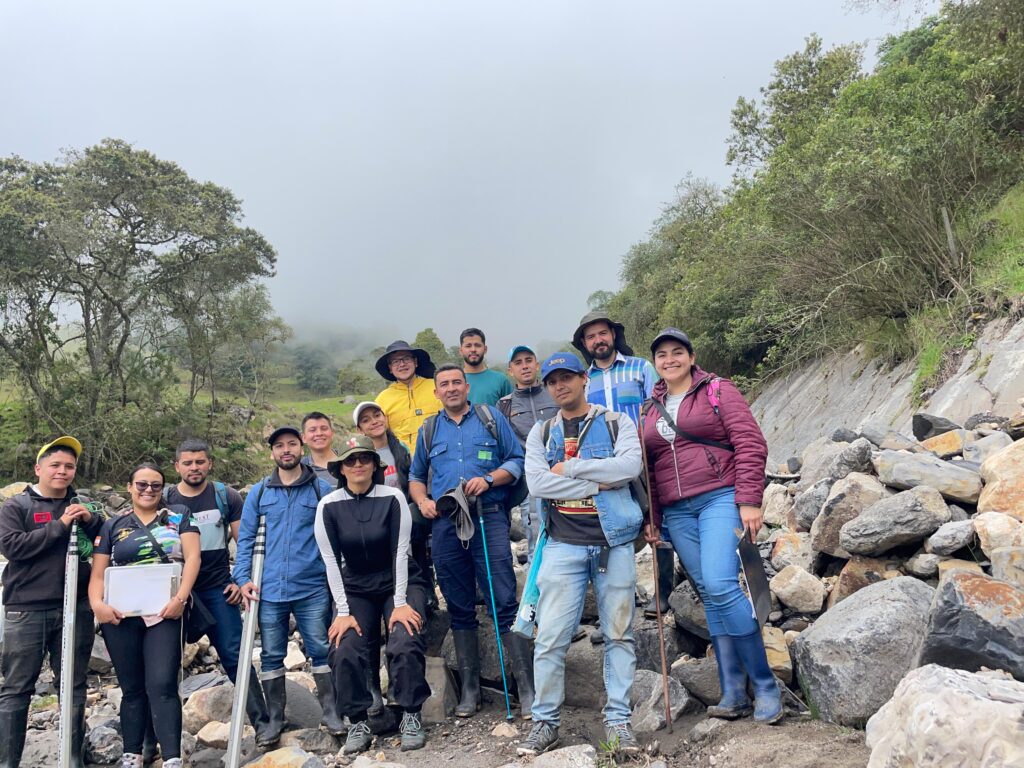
{"points": [[706, 458]]}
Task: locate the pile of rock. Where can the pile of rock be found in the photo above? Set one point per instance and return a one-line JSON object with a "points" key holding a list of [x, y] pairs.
{"points": [[885, 553]]}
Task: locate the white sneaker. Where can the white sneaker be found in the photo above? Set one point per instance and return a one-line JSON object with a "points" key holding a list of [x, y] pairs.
{"points": [[131, 760], [174, 762]]}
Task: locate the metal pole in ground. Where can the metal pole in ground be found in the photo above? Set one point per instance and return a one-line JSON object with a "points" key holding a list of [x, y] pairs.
{"points": [[494, 610], [249, 622], [67, 648]]}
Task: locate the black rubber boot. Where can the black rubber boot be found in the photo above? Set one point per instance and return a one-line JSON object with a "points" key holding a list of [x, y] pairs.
{"points": [[467, 653], [78, 736], [273, 691], [12, 737], [520, 656], [666, 581], [256, 704], [331, 720]]}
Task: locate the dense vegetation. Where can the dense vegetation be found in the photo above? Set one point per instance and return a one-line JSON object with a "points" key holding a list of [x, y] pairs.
{"points": [[861, 207]]}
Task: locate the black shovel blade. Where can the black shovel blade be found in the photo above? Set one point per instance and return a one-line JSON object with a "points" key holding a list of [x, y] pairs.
{"points": [[757, 580]]}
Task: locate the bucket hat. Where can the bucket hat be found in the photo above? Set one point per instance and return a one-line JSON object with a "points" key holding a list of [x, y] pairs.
{"points": [[424, 366], [357, 444], [600, 317]]}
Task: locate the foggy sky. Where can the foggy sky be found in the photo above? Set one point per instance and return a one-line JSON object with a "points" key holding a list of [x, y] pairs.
{"points": [[431, 163]]}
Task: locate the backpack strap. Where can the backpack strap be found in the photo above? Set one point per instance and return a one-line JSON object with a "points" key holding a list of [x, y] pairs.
{"points": [[714, 392], [686, 435], [220, 493], [487, 417], [505, 406], [429, 425]]}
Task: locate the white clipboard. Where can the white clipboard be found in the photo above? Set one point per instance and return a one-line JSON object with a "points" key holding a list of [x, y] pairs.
{"points": [[140, 590]]}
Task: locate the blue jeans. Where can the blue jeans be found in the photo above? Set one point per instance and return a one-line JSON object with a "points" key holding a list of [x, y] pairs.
{"points": [[226, 633], [703, 531], [312, 615], [459, 569], [563, 577]]}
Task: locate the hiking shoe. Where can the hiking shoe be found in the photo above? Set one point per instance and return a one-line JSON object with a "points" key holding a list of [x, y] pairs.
{"points": [[131, 760], [543, 736], [620, 735], [413, 735], [174, 762], [359, 738]]}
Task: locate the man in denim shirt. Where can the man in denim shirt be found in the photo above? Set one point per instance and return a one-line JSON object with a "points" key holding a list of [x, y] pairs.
{"points": [[294, 577], [463, 450], [591, 520]]}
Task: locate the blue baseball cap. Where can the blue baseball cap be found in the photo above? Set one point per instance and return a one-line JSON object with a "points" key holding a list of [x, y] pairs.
{"points": [[561, 361], [520, 348]]}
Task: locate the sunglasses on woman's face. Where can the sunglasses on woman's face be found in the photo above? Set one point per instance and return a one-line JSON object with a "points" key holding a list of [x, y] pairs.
{"points": [[143, 486], [359, 458]]}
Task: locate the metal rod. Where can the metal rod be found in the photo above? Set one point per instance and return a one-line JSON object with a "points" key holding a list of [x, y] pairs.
{"points": [[241, 681], [657, 594], [494, 610], [67, 648]]}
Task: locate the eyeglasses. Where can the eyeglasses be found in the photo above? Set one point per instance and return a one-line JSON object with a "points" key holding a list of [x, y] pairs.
{"points": [[142, 486], [359, 458], [400, 360]]}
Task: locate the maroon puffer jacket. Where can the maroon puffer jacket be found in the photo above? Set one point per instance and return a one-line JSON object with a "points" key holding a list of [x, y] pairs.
{"points": [[685, 469]]}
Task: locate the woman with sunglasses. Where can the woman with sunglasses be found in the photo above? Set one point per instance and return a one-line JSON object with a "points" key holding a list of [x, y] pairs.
{"points": [[363, 531], [146, 650], [706, 459]]}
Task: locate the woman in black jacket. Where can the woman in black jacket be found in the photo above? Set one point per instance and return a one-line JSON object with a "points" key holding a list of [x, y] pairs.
{"points": [[363, 531]]}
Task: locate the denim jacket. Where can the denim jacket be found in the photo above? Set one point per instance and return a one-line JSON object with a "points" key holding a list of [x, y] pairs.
{"points": [[293, 568], [598, 462]]}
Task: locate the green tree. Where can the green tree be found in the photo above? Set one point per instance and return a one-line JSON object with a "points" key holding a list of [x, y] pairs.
{"points": [[431, 343], [354, 380], [313, 370], [106, 258]]}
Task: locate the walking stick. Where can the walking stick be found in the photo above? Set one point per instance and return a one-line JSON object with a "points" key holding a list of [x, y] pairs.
{"points": [[494, 610], [657, 596], [67, 647], [259, 550]]}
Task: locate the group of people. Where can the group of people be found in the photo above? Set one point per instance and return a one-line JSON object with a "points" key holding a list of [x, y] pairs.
{"points": [[355, 538]]}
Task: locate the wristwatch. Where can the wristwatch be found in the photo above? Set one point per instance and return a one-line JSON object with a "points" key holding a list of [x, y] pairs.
{"points": [[489, 479]]}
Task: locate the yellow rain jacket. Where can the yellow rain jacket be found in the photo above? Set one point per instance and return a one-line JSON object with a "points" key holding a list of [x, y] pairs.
{"points": [[407, 407]]}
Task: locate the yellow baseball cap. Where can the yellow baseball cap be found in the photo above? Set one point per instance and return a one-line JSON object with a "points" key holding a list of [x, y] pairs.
{"points": [[66, 441]]}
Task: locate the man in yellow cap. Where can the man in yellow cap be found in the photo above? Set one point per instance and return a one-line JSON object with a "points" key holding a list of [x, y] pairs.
{"points": [[34, 528]]}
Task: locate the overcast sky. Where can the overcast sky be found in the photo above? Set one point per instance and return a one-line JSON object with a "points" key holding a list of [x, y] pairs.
{"points": [[416, 163]]}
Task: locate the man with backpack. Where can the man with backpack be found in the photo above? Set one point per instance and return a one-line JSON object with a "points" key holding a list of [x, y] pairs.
{"points": [[621, 382], [527, 404], [35, 530], [216, 511], [472, 446], [581, 462], [294, 577]]}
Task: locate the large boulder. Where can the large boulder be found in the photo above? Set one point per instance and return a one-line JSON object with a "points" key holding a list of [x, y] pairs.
{"points": [[209, 705], [941, 717], [287, 757], [793, 549], [976, 621], [1008, 565], [799, 590], [807, 505], [776, 505], [997, 530], [1003, 474], [950, 537], [647, 698], [905, 518], [444, 695], [11, 490], [852, 658], [948, 444], [584, 676], [926, 425], [699, 677], [816, 460], [981, 449], [860, 572], [647, 644], [688, 610], [909, 470], [576, 756], [777, 651], [847, 499]]}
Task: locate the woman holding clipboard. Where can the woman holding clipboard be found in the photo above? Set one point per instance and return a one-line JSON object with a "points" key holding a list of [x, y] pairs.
{"points": [[706, 459], [146, 649]]}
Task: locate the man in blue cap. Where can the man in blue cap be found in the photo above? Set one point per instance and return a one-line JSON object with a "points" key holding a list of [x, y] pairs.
{"points": [[580, 463], [524, 407]]}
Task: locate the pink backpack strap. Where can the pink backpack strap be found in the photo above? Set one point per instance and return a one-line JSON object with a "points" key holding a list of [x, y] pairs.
{"points": [[714, 388]]}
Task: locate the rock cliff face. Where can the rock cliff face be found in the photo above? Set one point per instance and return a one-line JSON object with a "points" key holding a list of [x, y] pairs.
{"points": [[851, 390]]}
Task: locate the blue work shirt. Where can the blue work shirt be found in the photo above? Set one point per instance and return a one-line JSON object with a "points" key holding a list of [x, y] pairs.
{"points": [[466, 450]]}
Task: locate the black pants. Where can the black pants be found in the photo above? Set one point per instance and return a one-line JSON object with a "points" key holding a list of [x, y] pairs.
{"points": [[420, 547], [147, 661], [28, 637], [404, 652]]}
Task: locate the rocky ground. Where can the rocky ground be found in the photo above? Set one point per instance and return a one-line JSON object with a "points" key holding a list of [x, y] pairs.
{"points": [[896, 572]]}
